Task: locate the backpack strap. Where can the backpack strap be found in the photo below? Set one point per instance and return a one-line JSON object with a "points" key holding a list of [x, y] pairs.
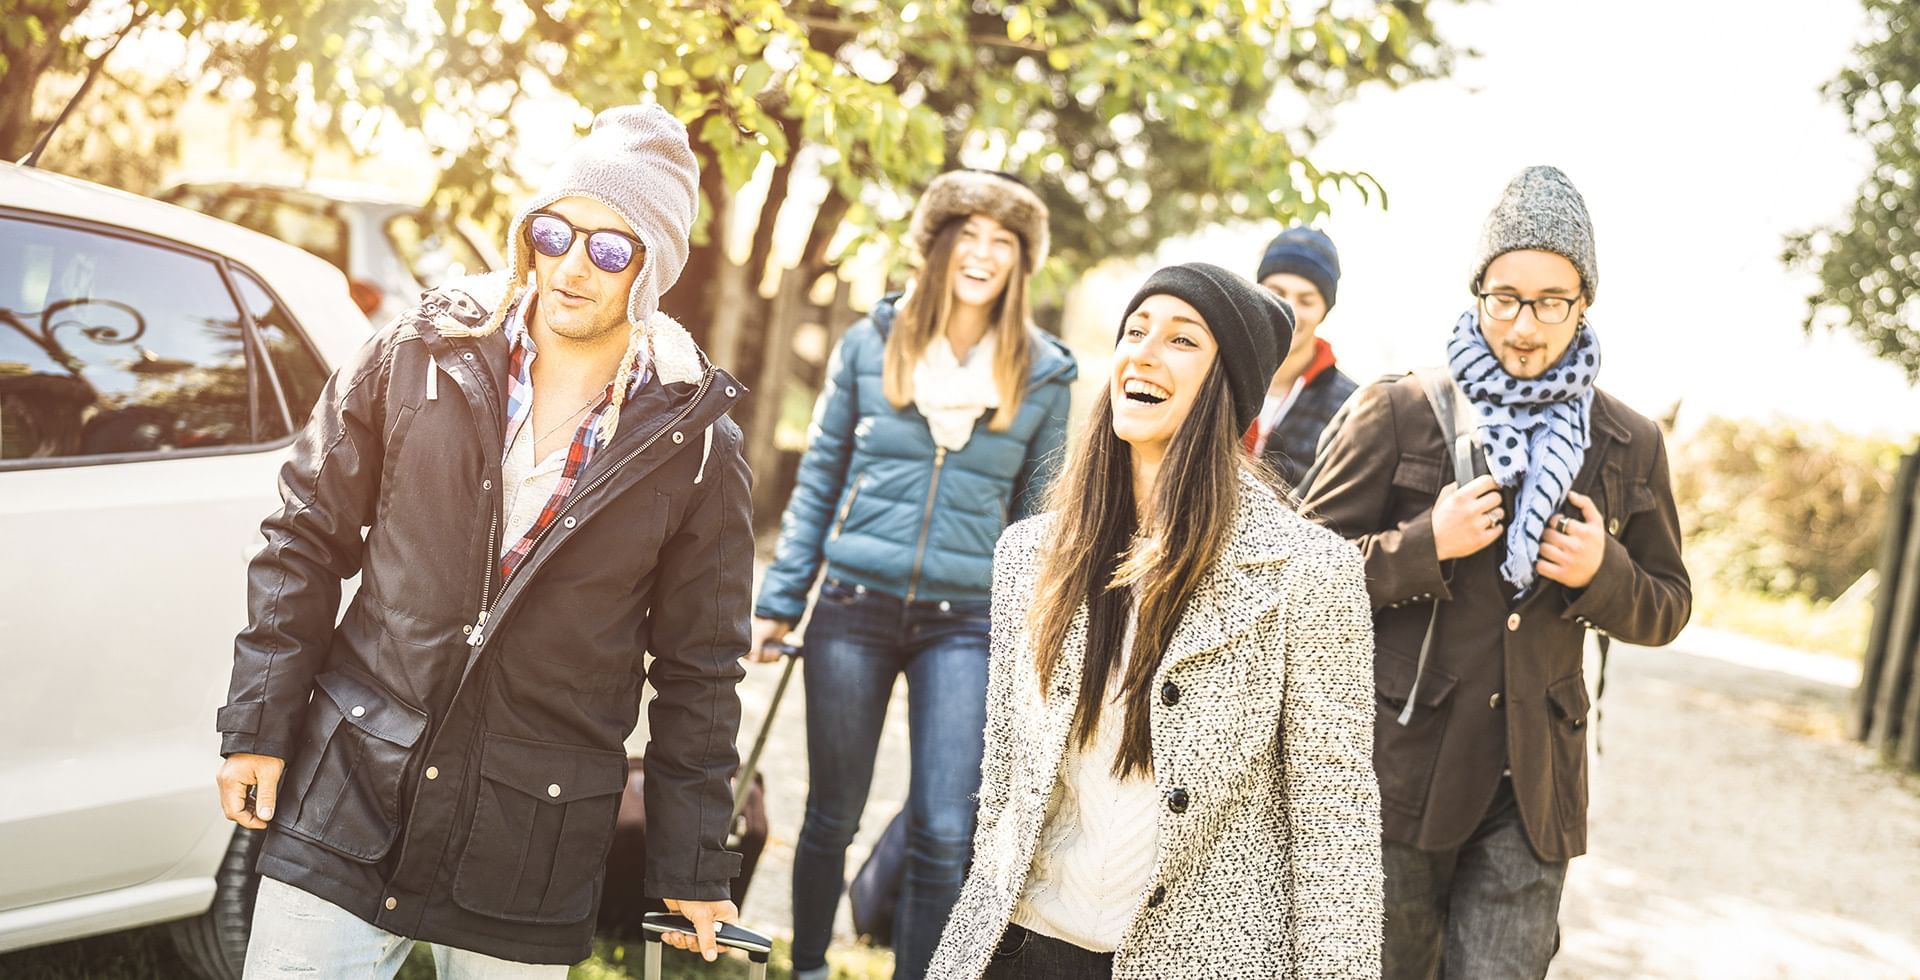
{"points": [[1462, 437]]}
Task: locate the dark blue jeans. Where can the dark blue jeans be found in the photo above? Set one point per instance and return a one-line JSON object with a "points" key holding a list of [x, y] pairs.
{"points": [[858, 642]]}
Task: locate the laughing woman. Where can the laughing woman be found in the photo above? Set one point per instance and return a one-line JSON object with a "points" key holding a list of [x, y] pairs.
{"points": [[1178, 779], [942, 419]]}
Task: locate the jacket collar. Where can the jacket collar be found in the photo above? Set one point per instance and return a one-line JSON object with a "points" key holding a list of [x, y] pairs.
{"points": [[1603, 418], [1234, 595]]}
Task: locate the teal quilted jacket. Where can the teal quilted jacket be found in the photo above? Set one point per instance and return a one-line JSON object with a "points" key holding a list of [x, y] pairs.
{"points": [[884, 507]]}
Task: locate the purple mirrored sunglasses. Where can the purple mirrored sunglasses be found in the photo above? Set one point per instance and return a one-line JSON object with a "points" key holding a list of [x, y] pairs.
{"points": [[609, 251]]}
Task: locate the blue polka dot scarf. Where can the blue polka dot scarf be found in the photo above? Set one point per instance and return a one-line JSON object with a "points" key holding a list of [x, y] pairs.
{"points": [[1535, 431]]}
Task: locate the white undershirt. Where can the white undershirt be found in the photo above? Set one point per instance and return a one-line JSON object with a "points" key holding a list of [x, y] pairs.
{"points": [[528, 485], [1096, 852]]}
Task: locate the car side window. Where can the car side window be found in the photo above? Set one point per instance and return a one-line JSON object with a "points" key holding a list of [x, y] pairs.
{"points": [[110, 346], [295, 366]]}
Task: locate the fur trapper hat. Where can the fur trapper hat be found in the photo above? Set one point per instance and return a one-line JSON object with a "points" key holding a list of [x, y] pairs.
{"points": [[1002, 197]]}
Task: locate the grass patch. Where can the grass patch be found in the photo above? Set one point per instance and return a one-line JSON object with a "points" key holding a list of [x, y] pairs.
{"points": [[1793, 621]]}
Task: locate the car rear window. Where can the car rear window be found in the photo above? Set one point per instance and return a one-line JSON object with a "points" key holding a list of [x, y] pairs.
{"points": [[292, 222], [110, 345], [432, 248]]}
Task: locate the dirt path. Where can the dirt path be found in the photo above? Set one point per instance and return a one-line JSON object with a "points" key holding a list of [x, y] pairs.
{"points": [[1735, 832]]}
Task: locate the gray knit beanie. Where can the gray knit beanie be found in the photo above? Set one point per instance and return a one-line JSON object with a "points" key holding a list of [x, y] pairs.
{"points": [[1540, 209], [637, 161]]}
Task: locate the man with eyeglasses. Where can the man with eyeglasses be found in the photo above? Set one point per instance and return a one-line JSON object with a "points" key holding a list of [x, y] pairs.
{"points": [[550, 489], [1483, 593]]}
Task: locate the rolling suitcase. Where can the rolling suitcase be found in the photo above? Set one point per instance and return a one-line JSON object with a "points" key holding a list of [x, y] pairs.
{"points": [[622, 906], [730, 936]]}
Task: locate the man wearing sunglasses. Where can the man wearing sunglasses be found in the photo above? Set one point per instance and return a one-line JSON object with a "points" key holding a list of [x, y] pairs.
{"points": [[555, 511], [1483, 593]]}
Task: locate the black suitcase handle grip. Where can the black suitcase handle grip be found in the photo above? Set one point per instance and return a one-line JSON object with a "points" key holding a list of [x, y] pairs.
{"points": [[726, 933]]}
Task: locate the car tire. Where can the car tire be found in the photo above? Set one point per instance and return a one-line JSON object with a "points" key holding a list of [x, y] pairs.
{"points": [[214, 944]]}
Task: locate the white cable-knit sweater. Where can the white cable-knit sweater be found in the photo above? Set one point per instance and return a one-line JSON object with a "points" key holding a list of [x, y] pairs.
{"points": [[1095, 856]]}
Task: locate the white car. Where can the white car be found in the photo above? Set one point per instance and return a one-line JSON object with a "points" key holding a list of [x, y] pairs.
{"points": [[155, 365], [390, 249]]}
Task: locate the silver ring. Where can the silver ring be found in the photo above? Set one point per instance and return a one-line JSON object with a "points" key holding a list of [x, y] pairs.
{"points": [[1562, 526]]}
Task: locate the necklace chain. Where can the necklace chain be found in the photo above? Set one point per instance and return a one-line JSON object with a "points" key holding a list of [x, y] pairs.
{"points": [[570, 417]]}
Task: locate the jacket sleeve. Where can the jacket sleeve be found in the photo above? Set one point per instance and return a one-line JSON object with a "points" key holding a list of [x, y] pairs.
{"points": [[1642, 593], [1331, 795], [329, 487], [698, 626], [1043, 456], [816, 489], [1007, 667], [1350, 490]]}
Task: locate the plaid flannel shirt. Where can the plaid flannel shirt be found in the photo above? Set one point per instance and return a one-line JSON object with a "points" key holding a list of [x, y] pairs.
{"points": [[521, 352]]}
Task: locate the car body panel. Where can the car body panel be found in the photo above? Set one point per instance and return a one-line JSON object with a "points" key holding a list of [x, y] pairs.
{"points": [[126, 585]]}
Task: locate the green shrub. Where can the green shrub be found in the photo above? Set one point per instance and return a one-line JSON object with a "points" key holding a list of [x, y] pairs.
{"points": [[1782, 509]]}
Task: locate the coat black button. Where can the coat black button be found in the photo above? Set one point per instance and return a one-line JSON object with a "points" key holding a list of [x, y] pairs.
{"points": [[1177, 801], [1159, 895], [1169, 694]]}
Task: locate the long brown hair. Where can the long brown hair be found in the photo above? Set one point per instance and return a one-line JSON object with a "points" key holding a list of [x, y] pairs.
{"points": [[1098, 554], [922, 319]]}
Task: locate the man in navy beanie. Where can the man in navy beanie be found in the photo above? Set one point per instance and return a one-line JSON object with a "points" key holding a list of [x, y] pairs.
{"points": [[1302, 267]]}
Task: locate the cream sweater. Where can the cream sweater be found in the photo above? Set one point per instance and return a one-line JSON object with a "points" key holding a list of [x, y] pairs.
{"points": [[1095, 855]]}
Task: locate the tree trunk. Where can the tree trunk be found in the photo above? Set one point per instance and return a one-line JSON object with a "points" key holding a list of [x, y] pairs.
{"points": [[787, 312], [727, 290]]}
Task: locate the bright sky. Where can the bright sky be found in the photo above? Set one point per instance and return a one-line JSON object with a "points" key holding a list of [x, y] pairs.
{"points": [[1699, 137]]}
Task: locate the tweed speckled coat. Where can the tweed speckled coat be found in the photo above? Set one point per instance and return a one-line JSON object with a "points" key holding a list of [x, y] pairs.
{"points": [[1269, 851]]}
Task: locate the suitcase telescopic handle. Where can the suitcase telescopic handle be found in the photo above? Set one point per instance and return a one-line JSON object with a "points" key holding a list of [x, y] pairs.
{"points": [[658, 924], [744, 781]]}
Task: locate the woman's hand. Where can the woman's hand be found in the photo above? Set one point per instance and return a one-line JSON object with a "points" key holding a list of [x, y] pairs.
{"points": [[765, 633]]}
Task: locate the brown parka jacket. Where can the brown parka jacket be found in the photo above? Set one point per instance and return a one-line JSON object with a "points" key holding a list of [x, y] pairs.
{"points": [[1504, 686]]}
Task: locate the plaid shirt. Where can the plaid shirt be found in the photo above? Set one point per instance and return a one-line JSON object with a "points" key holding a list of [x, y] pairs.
{"points": [[520, 354]]}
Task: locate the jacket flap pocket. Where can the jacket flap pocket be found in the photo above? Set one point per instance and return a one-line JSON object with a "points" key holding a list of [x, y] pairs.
{"points": [[1640, 497], [1569, 698], [552, 773], [1393, 677], [366, 706], [1414, 473]]}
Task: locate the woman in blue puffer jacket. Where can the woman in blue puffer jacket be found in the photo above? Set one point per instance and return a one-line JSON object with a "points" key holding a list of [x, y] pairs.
{"points": [[942, 421]]}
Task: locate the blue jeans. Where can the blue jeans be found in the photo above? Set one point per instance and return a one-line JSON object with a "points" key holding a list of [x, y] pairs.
{"points": [[297, 935], [858, 641]]}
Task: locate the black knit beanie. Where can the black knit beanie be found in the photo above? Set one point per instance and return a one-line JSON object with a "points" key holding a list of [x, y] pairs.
{"points": [[1253, 327]]}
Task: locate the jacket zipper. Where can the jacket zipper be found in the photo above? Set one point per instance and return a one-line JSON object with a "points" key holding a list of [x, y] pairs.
{"points": [[926, 522], [706, 380], [847, 508]]}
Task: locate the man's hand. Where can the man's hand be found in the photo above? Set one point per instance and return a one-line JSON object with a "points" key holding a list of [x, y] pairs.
{"points": [[1570, 550], [765, 632], [703, 915], [1467, 519], [244, 770]]}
